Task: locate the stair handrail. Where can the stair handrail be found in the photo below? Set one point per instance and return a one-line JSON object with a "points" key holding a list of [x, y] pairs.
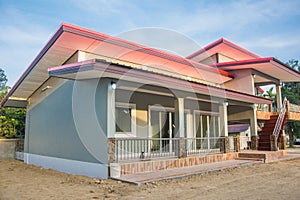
{"points": [[280, 119]]}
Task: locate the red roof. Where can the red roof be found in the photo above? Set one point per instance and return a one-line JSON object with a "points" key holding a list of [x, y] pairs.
{"points": [[70, 38], [223, 41]]}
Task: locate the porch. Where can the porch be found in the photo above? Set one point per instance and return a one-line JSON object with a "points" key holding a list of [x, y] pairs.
{"points": [[153, 171], [136, 155], [124, 150], [264, 112]]}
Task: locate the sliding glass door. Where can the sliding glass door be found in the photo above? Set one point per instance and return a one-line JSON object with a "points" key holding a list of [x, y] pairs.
{"points": [[206, 128], [162, 130]]}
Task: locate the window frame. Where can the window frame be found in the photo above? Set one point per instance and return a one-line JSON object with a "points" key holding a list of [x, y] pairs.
{"points": [[216, 115], [133, 120]]}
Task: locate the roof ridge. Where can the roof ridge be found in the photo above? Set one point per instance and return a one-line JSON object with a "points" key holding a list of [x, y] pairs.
{"points": [[224, 41]]}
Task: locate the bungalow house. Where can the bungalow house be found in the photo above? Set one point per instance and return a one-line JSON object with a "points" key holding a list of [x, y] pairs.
{"points": [[96, 103]]}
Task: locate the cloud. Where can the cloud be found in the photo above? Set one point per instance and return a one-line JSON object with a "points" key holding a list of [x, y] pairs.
{"points": [[266, 27], [20, 41]]}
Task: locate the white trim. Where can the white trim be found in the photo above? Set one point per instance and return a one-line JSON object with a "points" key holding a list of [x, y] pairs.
{"points": [[69, 166], [207, 114], [133, 120], [19, 155]]}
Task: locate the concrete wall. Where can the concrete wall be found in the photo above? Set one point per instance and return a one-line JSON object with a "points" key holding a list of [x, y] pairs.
{"points": [[144, 100], [7, 149], [64, 126], [243, 82]]}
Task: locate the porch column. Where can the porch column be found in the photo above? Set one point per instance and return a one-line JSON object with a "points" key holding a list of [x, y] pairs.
{"points": [[111, 109], [253, 121], [110, 122], [179, 117], [179, 128], [223, 119], [253, 128], [278, 97], [224, 140]]}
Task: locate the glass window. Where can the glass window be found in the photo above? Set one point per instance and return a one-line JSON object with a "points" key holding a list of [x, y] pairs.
{"points": [[125, 119]]}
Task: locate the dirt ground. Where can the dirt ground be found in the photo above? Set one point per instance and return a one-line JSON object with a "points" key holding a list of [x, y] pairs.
{"points": [[279, 180]]}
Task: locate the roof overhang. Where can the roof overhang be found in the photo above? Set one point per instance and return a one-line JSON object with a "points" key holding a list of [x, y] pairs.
{"points": [[101, 69], [69, 38], [224, 47], [268, 67]]}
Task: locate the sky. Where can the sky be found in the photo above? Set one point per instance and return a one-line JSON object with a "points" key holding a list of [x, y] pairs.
{"points": [[266, 27]]}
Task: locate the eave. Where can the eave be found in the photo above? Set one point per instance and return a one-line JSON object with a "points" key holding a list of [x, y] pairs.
{"points": [[268, 66], [69, 38], [100, 69]]}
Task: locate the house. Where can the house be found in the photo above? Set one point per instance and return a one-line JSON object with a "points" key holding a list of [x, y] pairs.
{"points": [[99, 105]]}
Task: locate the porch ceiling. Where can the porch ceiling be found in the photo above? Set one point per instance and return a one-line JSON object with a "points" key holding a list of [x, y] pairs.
{"points": [[69, 38], [100, 69]]}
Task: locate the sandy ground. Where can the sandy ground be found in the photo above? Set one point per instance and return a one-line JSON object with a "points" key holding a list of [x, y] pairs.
{"points": [[279, 180]]}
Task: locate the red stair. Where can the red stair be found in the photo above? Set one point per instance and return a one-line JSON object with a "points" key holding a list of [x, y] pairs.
{"points": [[264, 143]]}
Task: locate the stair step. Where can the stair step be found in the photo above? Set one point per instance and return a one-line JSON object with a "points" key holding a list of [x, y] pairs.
{"points": [[269, 125], [253, 159], [264, 148], [265, 136], [265, 129], [251, 156]]}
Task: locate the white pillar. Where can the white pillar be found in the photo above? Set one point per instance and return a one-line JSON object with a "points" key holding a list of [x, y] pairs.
{"points": [[111, 109], [278, 97], [179, 117], [253, 121], [223, 119]]}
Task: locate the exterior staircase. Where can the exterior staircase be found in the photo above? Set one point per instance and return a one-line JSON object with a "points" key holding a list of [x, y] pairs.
{"points": [[273, 127], [264, 143]]}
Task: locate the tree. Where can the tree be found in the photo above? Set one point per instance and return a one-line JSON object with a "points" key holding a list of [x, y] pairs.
{"points": [[12, 120], [292, 92], [271, 95], [3, 79]]}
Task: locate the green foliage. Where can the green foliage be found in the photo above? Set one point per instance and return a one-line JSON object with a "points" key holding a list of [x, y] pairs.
{"points": [[292, 92], [3, 79], [271, 95], [12, 120]]}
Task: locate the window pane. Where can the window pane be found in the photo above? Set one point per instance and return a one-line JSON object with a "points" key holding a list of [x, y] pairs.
{"points": [[217, 127], [204, 126], [211, 126], [198, 127], [123, 120], [165, 132]]}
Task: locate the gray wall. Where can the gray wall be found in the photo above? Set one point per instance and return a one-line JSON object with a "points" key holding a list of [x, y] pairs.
{"points": [[56, 129]]}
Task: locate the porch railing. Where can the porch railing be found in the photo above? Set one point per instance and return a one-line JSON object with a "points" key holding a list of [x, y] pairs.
{"points": [[293, 108], [130, 149], [202, 145], [142, 149], [265, 108]]}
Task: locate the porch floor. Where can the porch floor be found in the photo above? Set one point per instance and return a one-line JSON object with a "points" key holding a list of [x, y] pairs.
{"points": [[163, 175]]}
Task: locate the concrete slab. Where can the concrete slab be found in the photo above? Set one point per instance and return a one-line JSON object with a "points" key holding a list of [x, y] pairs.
{"points": [[163, 175]]}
